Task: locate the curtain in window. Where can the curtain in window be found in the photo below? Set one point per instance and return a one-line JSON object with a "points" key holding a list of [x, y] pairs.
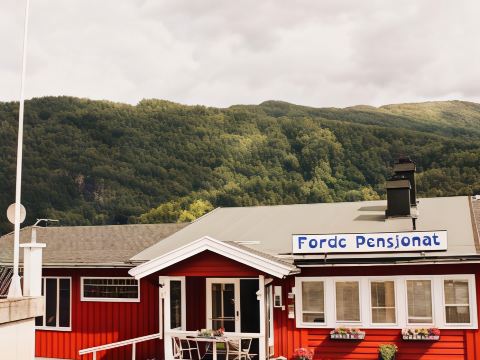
{"points": [[457, 303], [347, 301], [419, 297], [383, 302], [313, 301]]}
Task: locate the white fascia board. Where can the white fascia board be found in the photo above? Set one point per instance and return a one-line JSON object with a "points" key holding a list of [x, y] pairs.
{"points": [[207, 243]]}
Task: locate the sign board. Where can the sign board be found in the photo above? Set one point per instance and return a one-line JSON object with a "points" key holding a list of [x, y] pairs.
{"points": [[370, 242]]}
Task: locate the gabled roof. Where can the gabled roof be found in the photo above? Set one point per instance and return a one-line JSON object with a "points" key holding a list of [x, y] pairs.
{"points": [[106, 245], [270, 265], [268, 229]]}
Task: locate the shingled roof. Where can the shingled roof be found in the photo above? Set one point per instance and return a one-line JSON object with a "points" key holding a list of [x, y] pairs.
{"points": [[109, 245]]}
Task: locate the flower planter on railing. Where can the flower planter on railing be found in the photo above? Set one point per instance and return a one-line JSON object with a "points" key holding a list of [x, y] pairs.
{"points": [[347, 334], [421, 334]]}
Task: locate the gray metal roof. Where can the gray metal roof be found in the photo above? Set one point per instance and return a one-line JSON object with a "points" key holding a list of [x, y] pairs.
{"points": [[269, 229], [90, 245]]}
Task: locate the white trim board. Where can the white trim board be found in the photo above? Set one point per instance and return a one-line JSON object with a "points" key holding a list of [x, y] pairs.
{"points": [[235, 253]]}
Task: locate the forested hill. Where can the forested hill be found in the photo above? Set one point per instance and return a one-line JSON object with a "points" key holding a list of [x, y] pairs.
{"points": [[99, 162]]}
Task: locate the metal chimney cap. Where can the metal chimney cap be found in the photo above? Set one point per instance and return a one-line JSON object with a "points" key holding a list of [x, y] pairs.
{"points": [[398, 184], [399, 167]]}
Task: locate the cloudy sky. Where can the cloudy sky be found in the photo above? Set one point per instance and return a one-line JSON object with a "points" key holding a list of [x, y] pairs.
{"points": [[224, 52]]}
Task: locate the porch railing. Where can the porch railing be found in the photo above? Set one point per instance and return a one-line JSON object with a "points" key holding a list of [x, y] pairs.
{"points": [[133, 342]]}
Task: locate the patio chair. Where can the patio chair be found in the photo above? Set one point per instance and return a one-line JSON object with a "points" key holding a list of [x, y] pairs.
{"points": [[182, 349], [239, 349], [221, 351]]}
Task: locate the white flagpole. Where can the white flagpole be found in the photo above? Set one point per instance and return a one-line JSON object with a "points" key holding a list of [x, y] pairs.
{"points": [[15, 289]]}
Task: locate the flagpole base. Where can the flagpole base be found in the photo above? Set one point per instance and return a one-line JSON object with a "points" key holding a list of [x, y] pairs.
{"points": [[15, 289]]}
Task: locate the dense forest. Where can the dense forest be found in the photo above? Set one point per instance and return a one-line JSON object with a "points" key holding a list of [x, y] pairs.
{"points": [[99, 162]]}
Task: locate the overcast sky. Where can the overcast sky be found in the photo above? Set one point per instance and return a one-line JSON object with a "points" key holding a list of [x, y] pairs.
{"points": [[224, 52]]}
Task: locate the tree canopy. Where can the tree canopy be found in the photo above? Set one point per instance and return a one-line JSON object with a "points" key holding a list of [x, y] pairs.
{"points": [[99, 162]]}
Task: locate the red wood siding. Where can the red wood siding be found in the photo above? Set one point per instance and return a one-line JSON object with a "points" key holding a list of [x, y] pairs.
{"points": [[98, 323], [453, 345], [195, 289], [210, 264]]}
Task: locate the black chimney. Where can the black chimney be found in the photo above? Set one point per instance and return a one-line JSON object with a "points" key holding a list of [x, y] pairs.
{"points": [[405, 167], [398, 196]]}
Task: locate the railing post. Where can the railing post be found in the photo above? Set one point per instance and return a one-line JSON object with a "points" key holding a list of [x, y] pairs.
{"points": [[94, 355], [134, 348]]}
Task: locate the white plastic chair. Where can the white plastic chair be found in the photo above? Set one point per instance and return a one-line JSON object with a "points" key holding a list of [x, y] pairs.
{"points": [[239, 349], [180, 351]]}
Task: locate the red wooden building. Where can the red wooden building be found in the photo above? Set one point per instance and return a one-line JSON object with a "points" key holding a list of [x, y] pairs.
{"points": [[285, 276]]}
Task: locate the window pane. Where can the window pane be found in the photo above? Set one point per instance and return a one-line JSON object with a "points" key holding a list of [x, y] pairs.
{"points": [[419, 297], [383, 302], [51, 302], [110, 288], [64, 308], [175, 304], [313, 301], [347, 301], [457, 301]]}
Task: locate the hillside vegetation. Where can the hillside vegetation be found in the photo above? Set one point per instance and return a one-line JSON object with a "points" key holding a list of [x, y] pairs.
{"points": [[98, 162]]}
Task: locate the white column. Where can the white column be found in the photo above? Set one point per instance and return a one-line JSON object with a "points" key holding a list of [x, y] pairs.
{"points": [[32, 268], [261, 298]]}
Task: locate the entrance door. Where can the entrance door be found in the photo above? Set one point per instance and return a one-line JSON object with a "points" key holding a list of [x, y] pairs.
{"points": [[223, 304]]}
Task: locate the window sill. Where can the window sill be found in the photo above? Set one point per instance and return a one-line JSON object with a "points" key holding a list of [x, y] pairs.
{"points": [[51, 328]]}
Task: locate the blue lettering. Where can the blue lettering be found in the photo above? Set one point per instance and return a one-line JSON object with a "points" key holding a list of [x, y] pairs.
{"points": [[381, 242], [322, 241], [390, 242], [312, 243], [360, 240], [405, 241], [427, 241], [416, 241], [342, 243], [332, 243], [301, 239], [371, 242], [435, 237]]}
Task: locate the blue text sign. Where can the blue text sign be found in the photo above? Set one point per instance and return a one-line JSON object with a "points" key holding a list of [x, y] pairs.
{"points": [[370, 242]]}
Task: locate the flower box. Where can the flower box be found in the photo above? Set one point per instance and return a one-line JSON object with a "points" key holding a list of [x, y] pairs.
{"points": [[421, 337], [358, 336], [421, 334]]}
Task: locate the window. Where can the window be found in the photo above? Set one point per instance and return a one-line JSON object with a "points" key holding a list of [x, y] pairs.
{"points": [[175, 304], [313, 302], [121, 289], [347, 301], [457, 303], [382, 295], [395, 301], [57, 292], [419, 300]]}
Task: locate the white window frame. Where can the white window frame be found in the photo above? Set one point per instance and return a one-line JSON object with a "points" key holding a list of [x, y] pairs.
{"points": [[370, 312], [471, 298], [56, 328], [340, 280], [164, 282], [432, 300], [91, 299], [401, 301], [300, 299]]}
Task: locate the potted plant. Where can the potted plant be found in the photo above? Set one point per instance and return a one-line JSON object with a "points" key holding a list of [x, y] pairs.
{"points": [[303, 354], [387, 351], [347, 333]]}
